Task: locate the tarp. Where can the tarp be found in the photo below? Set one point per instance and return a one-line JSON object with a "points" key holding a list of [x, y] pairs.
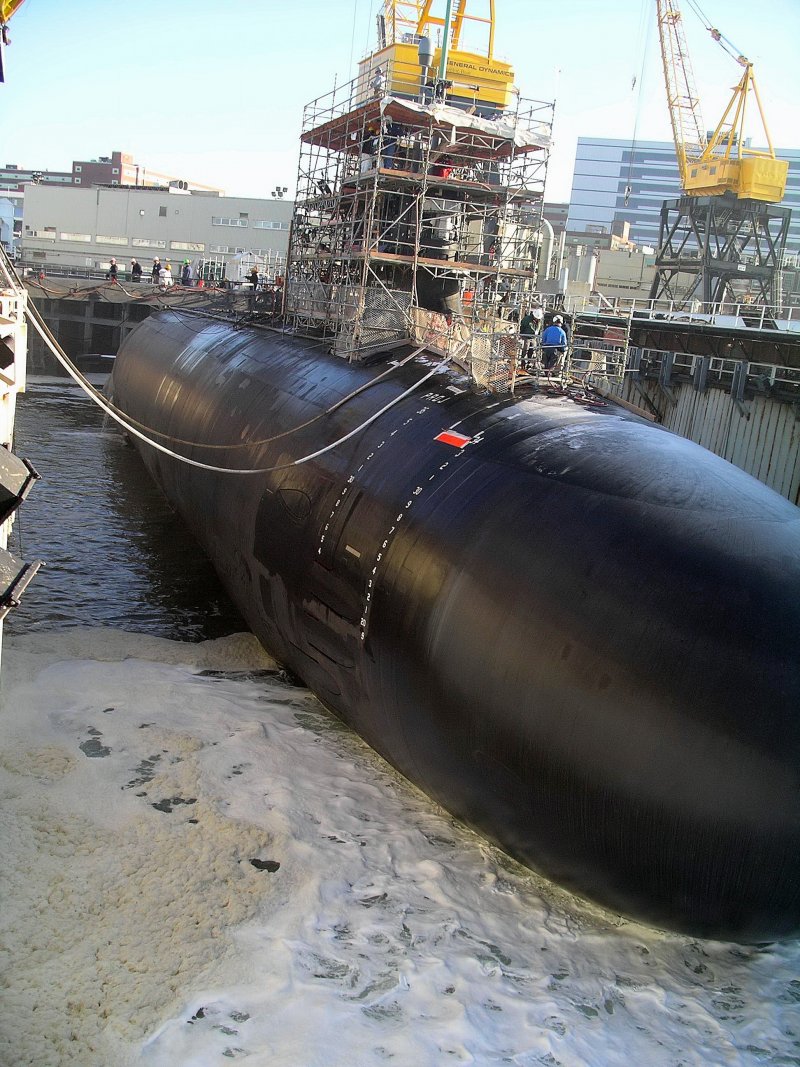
{"points": [[489, 138], [503, 129]]}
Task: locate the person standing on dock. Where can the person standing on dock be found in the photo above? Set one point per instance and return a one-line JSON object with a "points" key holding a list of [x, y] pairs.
{"points": [[186, 274], [554, 344], [136, 271], [112, 270], [156, 270]]}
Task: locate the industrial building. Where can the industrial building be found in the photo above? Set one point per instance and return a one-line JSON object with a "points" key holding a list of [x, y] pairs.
{"points": [[120, 168], [618, 180], [69, 230]]}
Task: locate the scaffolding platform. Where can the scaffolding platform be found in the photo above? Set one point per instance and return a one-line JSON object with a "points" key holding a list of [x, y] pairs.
{"points": [[411, 205]]}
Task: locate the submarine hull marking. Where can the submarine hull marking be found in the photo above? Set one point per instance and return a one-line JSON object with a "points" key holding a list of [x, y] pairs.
{"points": [[582, 635], [448, 437]]}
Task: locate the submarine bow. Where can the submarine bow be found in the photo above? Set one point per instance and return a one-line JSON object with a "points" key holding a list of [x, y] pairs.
{"points": [[576, 631]]}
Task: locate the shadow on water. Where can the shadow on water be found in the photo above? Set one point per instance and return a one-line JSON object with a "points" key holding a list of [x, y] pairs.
{"points": [[116, 553]]}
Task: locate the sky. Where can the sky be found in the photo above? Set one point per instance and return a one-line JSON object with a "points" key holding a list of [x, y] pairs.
{"points": [[142, 777], [213, 90]]}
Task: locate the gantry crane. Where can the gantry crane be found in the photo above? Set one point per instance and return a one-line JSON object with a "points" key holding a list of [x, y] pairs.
{"points": [[725, 236]]}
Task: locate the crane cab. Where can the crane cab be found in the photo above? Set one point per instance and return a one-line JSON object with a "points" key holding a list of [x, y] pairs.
{"points": [[477, 79]]}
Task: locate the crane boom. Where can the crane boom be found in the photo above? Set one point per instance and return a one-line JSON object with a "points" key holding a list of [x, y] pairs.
{"points": [[682, 100], [722, 163]]}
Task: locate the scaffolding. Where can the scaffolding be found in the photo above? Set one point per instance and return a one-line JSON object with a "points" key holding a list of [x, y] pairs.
{"points": [[417, 221]]}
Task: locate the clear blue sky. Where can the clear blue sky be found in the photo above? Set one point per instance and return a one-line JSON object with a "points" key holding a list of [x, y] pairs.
{"points": [[213, 90]]}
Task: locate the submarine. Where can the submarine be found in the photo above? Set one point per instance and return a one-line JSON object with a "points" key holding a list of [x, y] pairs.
{"points": [[576, 631]]}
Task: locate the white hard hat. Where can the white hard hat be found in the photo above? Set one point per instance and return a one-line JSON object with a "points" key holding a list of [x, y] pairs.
{"points": [[557, 318]]}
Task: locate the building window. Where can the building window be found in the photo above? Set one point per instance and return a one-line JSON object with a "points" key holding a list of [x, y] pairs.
{"points": [[78, 169], [115, 170], [244, 214], [187, 246], [162, 211], [76, 237], [114, 181], [77, 181], [218, 221], [147, 242], [101, 240]]}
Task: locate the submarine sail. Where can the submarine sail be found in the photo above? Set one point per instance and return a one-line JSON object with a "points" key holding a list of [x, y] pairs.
{"points": [[574, 629]]}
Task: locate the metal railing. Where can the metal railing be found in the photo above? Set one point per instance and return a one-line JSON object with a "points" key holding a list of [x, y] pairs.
{"points": [[755, 316], [735, 376]]}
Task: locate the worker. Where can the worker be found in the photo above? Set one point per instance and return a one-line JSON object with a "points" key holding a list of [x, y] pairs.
{"points": [[154, 274], [554, 344], [186, 273], [528, 331], [112, 270], [254, 277], [136, 270], [369, 146]]}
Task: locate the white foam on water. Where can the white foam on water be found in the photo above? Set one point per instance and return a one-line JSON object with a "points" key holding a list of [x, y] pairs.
{"points": [[140, 777]]}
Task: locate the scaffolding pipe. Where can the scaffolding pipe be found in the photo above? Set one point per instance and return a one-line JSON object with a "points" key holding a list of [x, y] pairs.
{"points": [[445, 42]]}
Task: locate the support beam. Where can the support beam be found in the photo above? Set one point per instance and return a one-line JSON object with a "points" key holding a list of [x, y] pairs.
{"points": [[717, 248]]}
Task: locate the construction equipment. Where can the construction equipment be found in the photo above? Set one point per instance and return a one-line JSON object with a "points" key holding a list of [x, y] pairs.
{"points": [[476, 77], [420, 187], [724, 238], [7, 9]]}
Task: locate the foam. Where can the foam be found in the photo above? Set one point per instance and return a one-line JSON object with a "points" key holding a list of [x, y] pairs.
{"points": [[136, 789]]}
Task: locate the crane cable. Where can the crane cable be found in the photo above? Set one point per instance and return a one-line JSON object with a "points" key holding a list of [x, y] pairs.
{"points": [[637, 84], [725, 44]]}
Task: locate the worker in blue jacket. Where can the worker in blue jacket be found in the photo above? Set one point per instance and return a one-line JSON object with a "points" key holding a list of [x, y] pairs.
{"points": [[554, 343]]}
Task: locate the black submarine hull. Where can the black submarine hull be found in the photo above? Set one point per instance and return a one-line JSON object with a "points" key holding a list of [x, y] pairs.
{"points": [[576, 631]]}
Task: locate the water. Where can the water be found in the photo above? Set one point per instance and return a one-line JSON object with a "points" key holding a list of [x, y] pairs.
{"points": [[115, 552]]}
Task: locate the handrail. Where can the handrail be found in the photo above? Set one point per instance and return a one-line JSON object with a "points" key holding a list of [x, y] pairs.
{"points": [[754, 316]]}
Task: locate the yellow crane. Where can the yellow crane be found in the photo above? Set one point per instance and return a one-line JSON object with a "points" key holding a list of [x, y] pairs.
{"points": [[7, 9], [724, 238], [476, 74], [721, 163]]}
